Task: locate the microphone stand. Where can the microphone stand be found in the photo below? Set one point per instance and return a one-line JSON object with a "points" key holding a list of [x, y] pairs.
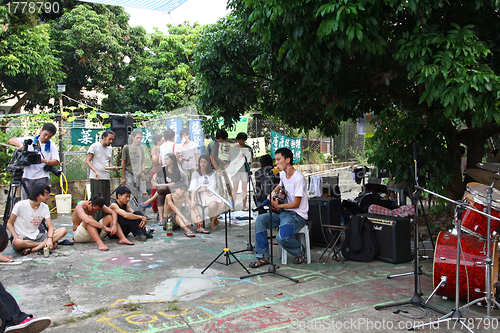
{"points": [[249, 244], [272, 266], [417, 295]]}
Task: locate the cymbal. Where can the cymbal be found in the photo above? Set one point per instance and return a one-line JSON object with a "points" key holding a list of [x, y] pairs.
{"points": [[485, 177], [493, 167]]}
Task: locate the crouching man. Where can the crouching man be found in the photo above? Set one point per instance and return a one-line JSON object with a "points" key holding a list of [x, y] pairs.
{"points": [[129, 220], [87, 229], [26, 217]]}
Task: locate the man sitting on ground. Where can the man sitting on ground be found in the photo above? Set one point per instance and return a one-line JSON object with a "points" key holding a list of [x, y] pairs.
{"points": [[87, 229], [129, 220], [26, 217], [174, 205]]}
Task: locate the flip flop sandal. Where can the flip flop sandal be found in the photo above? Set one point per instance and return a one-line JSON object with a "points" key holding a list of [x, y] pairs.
{"points": [[259, 262], [65, 242], [142, 205], [26, 251], [300, 259], [190, 234], [12, 262], [203, 231]]}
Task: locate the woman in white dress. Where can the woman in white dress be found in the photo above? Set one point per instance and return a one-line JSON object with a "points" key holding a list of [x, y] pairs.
{"points": [[203, 186]]}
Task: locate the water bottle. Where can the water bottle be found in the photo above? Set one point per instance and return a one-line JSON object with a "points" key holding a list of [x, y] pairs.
{"points": [[169, 226]]}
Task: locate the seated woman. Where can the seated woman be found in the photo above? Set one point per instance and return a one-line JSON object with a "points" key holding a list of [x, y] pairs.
{"points": [[184, 214], [163, 180], [203, 186]]}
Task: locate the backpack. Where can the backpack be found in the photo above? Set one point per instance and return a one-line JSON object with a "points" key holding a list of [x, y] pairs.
{"points": [[360, 243]]}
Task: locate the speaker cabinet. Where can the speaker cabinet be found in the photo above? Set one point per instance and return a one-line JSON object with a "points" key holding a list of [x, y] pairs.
{"points": [[393, 237], [122, 126], [323, 210]]}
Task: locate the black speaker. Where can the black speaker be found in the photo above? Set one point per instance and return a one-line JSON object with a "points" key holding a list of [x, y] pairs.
{"points": [[323, 210], [393, 237], [122, 126]]}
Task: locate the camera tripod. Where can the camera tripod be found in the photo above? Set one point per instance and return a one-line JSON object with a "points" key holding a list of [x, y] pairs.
{"points": [[14, 194]]}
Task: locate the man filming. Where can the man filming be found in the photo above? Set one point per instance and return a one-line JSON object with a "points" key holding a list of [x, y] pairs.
{"points": [[38, 173]]}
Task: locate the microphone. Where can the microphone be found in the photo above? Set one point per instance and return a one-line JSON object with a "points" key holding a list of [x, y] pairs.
{"points": [[264, 203], [416, 145], [272, 172]]}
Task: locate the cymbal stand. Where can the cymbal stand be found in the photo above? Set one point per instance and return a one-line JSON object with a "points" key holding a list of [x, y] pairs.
{"points": [[455, 314], [488, 298], [417, 295]]}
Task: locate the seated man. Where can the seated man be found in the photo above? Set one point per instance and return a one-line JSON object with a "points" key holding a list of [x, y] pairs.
{"points": [[129, 221], [173, 205], [87, 229], [293, 215], [26, 217], [12, 319]]}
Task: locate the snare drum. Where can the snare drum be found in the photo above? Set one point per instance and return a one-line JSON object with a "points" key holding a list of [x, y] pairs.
{"points": [[474, 223], [472, 265]]}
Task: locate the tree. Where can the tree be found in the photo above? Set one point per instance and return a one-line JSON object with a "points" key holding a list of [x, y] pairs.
{"points": [[329, 61], [161, 77]]}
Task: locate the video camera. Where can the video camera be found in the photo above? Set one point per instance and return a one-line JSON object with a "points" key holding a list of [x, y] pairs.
{"points": [[24, 158]]}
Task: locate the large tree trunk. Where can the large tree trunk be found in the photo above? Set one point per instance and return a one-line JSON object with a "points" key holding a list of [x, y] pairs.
{"points": [[455, 188]]}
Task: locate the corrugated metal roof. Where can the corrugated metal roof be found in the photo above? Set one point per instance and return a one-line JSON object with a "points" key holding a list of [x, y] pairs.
{"points": [[159, 5]]}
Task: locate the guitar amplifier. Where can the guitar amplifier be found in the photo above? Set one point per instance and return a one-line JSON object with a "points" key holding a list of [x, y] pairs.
{"points": [[393, 237], [323, 210]]}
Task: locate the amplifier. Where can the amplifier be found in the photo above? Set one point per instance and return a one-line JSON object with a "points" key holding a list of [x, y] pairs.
{"points": [[393, 237], [323, 210]]}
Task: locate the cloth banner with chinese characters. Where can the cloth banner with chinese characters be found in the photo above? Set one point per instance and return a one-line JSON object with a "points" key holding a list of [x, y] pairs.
{"points": [[258, 146], [88, 136], [196, 134], [240, 126], [176, 125], [294, 144]]}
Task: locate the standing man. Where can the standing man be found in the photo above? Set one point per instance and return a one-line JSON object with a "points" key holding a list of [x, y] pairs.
{"points": [[156, 160], [35, 173], [188, 154], [100, 155], [244, 150], [134, 168], [293, 213], [213, 150], [169, 145]]}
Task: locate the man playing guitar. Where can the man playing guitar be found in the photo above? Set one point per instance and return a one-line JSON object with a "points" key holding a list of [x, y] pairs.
{"points": [[293, 213]]}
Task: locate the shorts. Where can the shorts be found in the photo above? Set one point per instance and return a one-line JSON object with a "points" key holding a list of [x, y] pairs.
{"points": [[243, 176], [81, 235], [38, 239]]}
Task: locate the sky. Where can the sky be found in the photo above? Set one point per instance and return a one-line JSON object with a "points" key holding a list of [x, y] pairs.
{"points": [[202, 11]]}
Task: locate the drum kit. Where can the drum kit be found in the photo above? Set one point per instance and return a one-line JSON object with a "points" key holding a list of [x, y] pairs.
{"points": [[474, 254]]}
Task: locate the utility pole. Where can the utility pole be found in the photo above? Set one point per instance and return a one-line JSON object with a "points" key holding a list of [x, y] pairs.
{"points": [[61, 88]]}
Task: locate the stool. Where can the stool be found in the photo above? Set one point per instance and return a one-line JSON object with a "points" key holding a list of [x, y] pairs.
{"points": [[303, 235], [333, 244]]}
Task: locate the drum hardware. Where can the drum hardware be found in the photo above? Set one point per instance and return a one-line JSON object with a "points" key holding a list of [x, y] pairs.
{"points": [[417, 295], [455, 314], [444, 279]]}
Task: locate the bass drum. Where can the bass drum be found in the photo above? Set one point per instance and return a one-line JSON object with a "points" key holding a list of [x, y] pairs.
{"points": [[472, 265]]}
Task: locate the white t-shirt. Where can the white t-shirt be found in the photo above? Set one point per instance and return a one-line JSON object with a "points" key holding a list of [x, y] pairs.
{"points": [[28, 219], [35, 171], [296, 186], [101, 159], [198, 181], [189, 151], [167, 147]]}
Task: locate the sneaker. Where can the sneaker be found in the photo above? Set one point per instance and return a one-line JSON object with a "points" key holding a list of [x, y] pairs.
{"points": [[141, 237], [30, 325]]}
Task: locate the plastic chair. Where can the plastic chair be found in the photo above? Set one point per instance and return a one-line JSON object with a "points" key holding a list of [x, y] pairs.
{"points": [[303, 237]]}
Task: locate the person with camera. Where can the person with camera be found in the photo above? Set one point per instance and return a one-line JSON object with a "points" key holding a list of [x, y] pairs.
{"points": [[39, 173], [25, 219]]}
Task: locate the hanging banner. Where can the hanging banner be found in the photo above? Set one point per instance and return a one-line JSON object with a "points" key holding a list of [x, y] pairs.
{"points": [[196, 134], [85, 136], [258, 146], [88, 136], [294, 144], [176, 125], [240, 126]]}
